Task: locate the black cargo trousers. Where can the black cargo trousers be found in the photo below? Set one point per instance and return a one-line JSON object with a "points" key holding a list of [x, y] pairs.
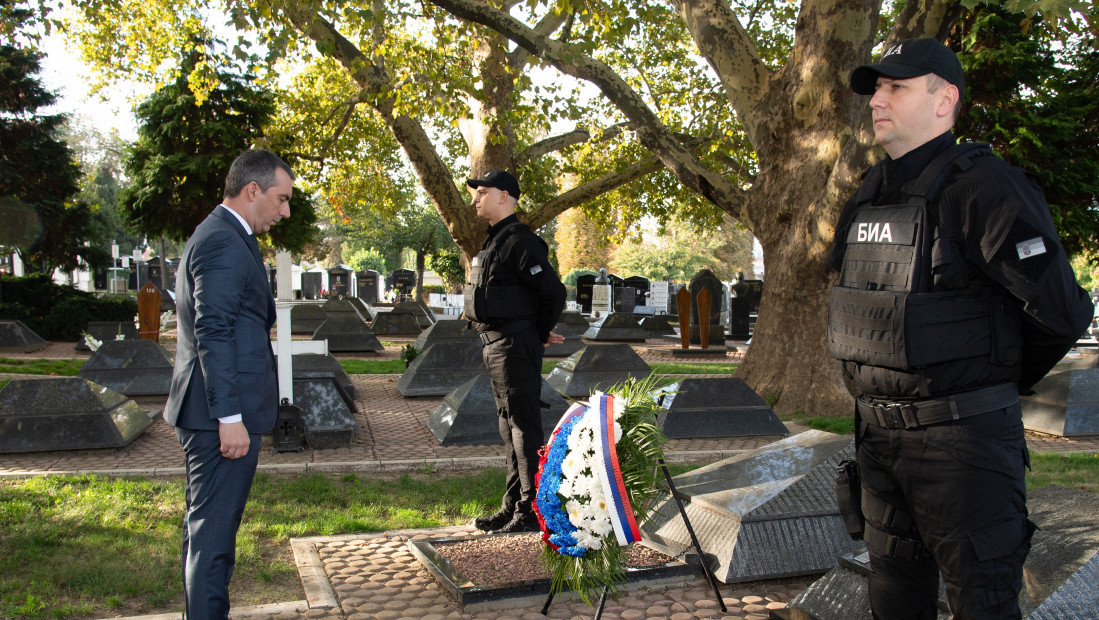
{"points": [[515, 369], [956, 500]]}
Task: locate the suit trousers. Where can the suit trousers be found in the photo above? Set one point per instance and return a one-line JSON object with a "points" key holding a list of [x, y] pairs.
{"points": [[961, 485], [217, 490], [515, 370]]}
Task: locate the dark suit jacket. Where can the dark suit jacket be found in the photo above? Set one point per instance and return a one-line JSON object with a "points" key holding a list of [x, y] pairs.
{"points": [[224, 313]]}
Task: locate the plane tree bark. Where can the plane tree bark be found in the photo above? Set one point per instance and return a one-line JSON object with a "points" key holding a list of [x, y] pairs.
{"points": [[812, 139]]}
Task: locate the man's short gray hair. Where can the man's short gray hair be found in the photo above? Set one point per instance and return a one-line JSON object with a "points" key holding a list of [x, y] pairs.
{"points": [[257, 165]]}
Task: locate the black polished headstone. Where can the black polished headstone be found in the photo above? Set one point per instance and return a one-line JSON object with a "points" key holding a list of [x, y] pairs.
{"points": [[67, 413], [371, 286], [1060, 576], [305, 318], [740, 320], [396, 323], [705, 279], [339, 280], [132, 367], [715, 407], [658, 325], [325, 418], [347, 334], [107, 330], [468, 414], [768, 513], [315, 364], [311, 284], [573, 342], [584, 285], [441, 368], [597, 366], [15, 337], [341, 307], [446, 330], [364, 310], [424, 316], [616, 327], [1064, 403]]}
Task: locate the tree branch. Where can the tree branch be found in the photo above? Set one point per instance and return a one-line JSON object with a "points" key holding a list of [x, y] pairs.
{"points": [[565, 140], [651, 132], [591, 190]]}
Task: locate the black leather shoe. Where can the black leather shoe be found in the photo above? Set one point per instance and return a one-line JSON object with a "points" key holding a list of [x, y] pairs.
{"points": [[521, 522], [498, 520]]}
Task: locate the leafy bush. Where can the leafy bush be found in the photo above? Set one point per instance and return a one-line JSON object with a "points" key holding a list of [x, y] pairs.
{"points": [[434, 288], [59, 312]]}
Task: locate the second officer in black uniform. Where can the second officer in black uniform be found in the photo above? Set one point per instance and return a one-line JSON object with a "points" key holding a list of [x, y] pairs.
{"points": [[513, 298]]}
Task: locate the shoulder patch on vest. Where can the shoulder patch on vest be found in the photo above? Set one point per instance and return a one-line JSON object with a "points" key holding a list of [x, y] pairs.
{"points": [[537, 269], [1030, 248]]}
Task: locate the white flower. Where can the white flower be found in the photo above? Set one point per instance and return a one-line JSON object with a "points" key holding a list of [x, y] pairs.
{"points": [[619, 407], [617, 432], [575, 510]]}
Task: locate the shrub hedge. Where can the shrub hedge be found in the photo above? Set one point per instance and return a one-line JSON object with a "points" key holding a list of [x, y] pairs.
{"points": [[59, 312]]}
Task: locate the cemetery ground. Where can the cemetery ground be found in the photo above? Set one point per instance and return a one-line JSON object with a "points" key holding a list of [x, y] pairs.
{"points": [[95, 533]]}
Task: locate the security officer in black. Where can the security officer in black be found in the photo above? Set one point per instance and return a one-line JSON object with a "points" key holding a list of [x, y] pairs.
{"points": [[954, 295], [513, 298]]}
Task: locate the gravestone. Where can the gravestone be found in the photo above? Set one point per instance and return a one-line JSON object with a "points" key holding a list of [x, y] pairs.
{"points": [[446, 331], [740, 320], [15, 337], [571, 322], [625, 299], [468, 414], [339, 280], [310, 365], [441, 368], [342, 308], [364, 310], [1060, 576], [705, 279], [402, 280], [424, 316], [573, 342], [306, 318], [597, 366], [640, 285], [1064, 403], [107, 330], [396, 323], [768, 513], [311, 284], [148, 312], [584, 286], [602, 298], [715, 407], [617, 326], [131, 367], [326, 420], [347, 334], [67, 413], [660, 296], [657, 326], [371, 286], [755, 294]]}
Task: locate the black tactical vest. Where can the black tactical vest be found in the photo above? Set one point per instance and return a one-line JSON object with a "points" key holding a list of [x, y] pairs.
{"points": [[494, 293], [904, 300]]}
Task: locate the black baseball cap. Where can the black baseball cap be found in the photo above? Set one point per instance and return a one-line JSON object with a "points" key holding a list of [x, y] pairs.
{"points": [[908, 59], [500, 179]]}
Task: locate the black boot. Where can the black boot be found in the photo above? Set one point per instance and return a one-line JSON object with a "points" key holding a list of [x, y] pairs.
{"points": [[521, 522], [498, 520]]}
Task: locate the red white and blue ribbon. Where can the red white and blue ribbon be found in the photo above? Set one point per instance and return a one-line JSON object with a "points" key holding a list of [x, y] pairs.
{"points": [[610, 474]]}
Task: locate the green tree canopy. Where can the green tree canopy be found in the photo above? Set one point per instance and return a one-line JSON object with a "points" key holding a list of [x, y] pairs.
{"points": [[184, 149], [38, 173]]}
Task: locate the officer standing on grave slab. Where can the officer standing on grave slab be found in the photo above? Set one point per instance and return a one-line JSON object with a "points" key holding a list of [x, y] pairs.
{"points": [[954, 295], [513, 298]]}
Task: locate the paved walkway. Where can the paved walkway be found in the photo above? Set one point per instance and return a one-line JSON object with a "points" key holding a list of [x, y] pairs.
{"points": [[374, 576]]}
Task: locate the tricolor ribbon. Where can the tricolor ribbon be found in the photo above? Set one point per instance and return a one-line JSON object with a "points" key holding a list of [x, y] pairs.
{"points": [[610, 474]]}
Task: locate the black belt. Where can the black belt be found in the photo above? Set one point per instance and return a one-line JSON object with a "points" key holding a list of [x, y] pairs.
{"points": [[490, 336], [917, 413]]}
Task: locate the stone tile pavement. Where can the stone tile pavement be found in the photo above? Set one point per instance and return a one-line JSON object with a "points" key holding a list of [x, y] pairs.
{"points": [[375, 576]]}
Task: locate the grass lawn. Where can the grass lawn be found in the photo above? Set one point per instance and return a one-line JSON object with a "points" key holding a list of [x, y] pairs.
{"points": [[396, 367], [69, 545], [55, 367]]}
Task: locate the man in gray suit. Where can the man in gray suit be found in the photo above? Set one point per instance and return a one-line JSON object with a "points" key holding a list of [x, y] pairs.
{"points": [[224, 392]]}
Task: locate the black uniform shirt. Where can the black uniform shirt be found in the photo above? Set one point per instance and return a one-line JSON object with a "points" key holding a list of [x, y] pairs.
{"points": [[1008, 241], [525, 253]]}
